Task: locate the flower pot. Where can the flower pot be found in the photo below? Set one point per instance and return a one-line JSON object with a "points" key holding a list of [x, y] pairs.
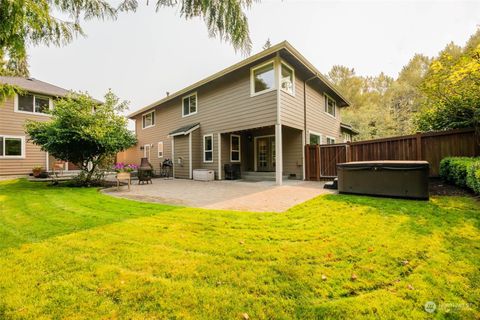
{"points": [[37, 172]]}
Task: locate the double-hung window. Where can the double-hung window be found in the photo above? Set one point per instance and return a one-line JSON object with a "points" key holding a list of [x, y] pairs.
{"points": [[330, 106], [148, 120], [235, 148], [287, 80], [33, 103], [160, 149], [330, 140], [190, 105], [208, 148], [12, 147]]}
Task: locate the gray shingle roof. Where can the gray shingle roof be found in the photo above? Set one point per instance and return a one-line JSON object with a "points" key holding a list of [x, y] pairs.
{"points": [[349, 127], [185, 129], [34, 85]]}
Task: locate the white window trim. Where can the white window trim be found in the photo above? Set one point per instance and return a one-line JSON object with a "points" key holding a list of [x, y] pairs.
{"points": [[255, 148], [283, 63], [252, 78], [204, 151], [315, 134], [154, 120], [239, 148], [331, 138], [196, 109], [22, 138], [160, 143], [334, 109], [50, 105], [145, 151]]}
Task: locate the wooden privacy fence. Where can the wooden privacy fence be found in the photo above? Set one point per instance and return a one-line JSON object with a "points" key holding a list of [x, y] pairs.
{"points": [[321, 160]]}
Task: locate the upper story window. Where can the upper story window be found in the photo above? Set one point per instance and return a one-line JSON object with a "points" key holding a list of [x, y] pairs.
{"points": [[263, 78], [189, 105], [12, 147], [288, 79], [148, 120], [330, 140], [330, 105], [33, 103]]}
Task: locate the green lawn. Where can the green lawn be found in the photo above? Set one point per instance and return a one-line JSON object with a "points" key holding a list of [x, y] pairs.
{"points": [[78, 254]]}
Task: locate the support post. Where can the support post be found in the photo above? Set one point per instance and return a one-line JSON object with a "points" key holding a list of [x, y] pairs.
{"points": [[278, 155], [190, 158], [219, 156], [303, 156], [278, 125]]}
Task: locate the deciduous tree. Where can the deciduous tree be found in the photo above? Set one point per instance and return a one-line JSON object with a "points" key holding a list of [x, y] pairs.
{"points": [[84, 131]]}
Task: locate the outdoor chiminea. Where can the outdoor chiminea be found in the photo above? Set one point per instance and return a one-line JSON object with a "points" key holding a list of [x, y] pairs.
{"points": [[145, 171]]}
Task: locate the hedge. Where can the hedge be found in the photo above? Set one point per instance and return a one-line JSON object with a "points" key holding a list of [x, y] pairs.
{"points": [[462, 171]]}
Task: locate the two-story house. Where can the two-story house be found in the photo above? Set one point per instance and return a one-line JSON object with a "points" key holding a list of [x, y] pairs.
{"points": [[258, 113], [17, 155]]}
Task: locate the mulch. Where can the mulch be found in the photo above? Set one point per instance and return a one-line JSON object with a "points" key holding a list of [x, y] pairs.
{"points": [[437, 187]]}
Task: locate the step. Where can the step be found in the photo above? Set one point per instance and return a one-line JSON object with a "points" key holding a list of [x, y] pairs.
{"points": [[260, 176]]}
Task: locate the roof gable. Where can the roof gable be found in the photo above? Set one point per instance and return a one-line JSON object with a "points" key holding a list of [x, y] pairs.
{"points": [[265, 53]]}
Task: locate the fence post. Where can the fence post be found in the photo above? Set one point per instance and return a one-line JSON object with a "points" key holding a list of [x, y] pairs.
{"points": [[348, 155], [317, 162], [418, 137]]}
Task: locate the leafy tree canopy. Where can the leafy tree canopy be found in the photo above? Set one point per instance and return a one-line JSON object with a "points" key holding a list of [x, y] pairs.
{"points": [[452, 89], [33, 22], [84, 131], [429, 94]]}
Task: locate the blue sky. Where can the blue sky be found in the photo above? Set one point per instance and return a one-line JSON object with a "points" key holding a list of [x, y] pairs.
{"points": [[144, 54]]}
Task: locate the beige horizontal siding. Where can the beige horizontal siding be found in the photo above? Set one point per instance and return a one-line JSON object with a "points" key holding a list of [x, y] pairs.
{"points": [[181, 160], [292, 111], [223, 106], [13, 123], [292, 152]]}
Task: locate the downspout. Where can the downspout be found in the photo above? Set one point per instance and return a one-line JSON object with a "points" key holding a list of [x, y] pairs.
{"points": [[305, 105]]}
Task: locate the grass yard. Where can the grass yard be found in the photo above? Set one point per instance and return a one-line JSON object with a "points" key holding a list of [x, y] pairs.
{"points": [[78, 254]]}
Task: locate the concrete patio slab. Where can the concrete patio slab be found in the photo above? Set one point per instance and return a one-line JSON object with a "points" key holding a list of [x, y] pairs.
{"points": [[263, 196]]}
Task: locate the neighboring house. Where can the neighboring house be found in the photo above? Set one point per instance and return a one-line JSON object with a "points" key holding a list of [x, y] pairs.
{"points": [[258, 113], [17, 155]]}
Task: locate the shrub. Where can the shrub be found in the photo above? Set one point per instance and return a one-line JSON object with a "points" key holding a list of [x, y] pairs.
{"points": [[473, 177], [462, 171]]}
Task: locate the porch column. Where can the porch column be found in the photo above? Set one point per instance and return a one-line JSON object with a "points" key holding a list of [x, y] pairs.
{"points": [[219, 156], [278, 126], [278, 155], [303, 156]]}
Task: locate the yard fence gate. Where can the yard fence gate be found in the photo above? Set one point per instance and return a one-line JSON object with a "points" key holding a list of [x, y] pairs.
{"points": [[321, 160]]}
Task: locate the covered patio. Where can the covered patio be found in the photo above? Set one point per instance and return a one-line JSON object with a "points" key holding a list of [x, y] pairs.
{"points": [[263, 196], [264, 153]]}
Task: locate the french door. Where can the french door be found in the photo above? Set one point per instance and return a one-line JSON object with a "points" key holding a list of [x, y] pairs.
{"points": [[265, 153]]}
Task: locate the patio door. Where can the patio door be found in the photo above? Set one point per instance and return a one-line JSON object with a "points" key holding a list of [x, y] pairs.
{"points": [[265, 147]]}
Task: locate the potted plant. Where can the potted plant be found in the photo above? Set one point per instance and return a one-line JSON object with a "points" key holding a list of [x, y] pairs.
{"points": [[37, 171], [123, 170]]}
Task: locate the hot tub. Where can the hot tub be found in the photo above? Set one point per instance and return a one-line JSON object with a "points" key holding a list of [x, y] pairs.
{"points": [[402, 179]]}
